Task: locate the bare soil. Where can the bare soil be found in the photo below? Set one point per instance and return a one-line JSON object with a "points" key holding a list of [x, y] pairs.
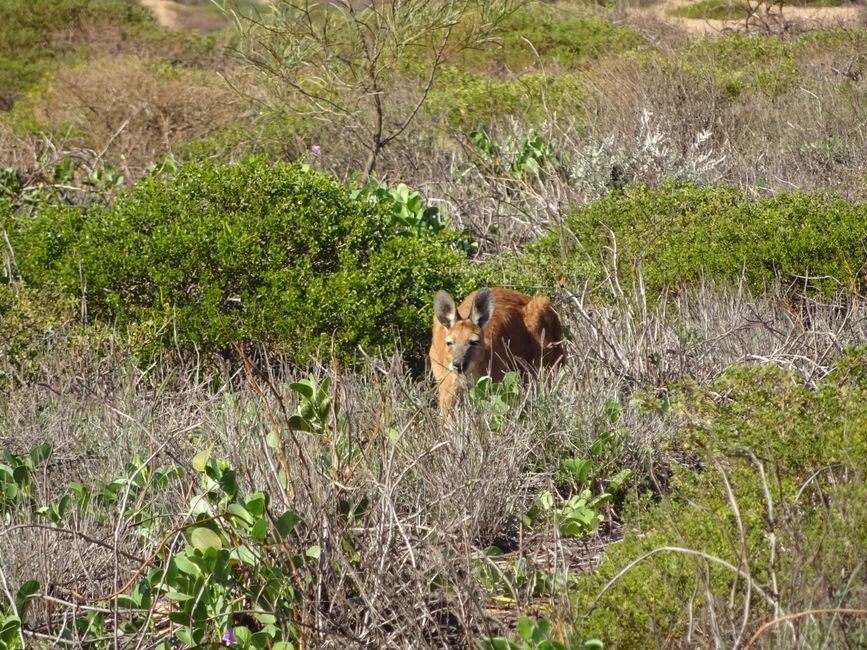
{"points": [[802, 16], [190, 16], [185, 15]]}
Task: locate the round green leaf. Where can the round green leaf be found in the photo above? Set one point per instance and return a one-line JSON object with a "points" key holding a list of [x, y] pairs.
{"points": [[205, 538]]}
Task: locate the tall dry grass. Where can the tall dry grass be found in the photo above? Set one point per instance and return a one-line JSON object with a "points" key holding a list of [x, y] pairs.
{"points": [[436, 493]]}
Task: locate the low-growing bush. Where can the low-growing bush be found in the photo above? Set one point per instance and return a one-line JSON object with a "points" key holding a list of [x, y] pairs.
{"points": [[273, 254], [31, 322], [539, 33], [766, 517], [741, 64], [728, 10], [570, 42], [681, 232], [465, 101]]}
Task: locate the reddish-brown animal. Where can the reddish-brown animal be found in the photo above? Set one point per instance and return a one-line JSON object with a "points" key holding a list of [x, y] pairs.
{"points": [[492, 332]]}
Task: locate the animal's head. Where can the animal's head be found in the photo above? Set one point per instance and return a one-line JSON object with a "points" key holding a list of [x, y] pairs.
{"points": [[465, 340]]}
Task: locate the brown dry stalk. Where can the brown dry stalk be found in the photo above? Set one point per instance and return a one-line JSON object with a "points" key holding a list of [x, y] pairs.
{"points": [[790, 617]]}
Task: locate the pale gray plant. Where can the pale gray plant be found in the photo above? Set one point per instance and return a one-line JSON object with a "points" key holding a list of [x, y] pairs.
{"points": [[649, 156]]}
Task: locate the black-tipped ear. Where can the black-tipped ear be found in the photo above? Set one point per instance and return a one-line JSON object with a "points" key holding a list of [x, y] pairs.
{"points": [[444, 309], [483, 307]]}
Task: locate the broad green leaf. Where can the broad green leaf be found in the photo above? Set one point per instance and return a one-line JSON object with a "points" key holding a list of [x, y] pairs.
{"points": [[286, 523], [242, 635], [23, 596], [260, 529], [525, 628], [40, 454], [313, 552], [298, 423], [578, 468], [184, 635], [127, 601], [618, 481], [177, 596], [304, 387], [205, 538], [256, 503], [241, 512], [244, 554], [200, 460], [186, 565]]}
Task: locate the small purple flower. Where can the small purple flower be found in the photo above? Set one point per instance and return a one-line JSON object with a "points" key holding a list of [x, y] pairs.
{"points": [[315, 149], [229, 637]]}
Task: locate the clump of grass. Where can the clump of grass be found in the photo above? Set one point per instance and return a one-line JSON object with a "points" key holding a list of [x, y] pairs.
{"points": [[393, 509]]}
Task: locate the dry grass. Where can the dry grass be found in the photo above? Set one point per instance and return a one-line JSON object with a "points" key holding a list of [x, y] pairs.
{"points": [[437, 492], [130, 111]]}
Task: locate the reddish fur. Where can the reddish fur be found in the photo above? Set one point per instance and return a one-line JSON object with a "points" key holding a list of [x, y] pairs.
{"points": [[512, 339]]}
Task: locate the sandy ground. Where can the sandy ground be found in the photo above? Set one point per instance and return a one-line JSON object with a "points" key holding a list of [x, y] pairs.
{"points": [[175, 16], [849, 15], [166, 14]]}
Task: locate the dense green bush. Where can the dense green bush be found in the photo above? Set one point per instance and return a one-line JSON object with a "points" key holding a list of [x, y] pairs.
{"points": [[681, 231], [30, 323], [465, 101], [539, 32], [775, 486], [275, 254], [570, 42]]}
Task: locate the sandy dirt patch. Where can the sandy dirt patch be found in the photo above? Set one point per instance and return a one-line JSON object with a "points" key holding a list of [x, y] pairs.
{"points": [[165, 12], [803, 17], [174, 15]]}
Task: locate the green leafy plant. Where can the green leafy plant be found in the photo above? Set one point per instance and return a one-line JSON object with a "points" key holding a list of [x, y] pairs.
{"points": [[523, 163], [273, 254], [764, 494], [496, 398], [588, 487], [537, 634], [16, 477], [682, 232]]}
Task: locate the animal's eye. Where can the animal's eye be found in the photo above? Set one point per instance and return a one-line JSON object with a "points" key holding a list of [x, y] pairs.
{"points": [[474, 342], [449, 344]]}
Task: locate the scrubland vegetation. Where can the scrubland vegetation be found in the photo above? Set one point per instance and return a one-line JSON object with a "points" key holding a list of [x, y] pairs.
{"points": [[219, 257]]}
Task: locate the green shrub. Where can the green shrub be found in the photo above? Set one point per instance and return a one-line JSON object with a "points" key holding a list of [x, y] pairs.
{"points": [[755, 437], [681, 232], [570, 42], [738, 63], [466, 101], [539, 32], [274, 254], [30, 322]]}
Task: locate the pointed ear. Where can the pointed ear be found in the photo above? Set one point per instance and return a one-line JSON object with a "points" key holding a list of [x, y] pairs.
{"points": [[444, 309], [483, 307]]}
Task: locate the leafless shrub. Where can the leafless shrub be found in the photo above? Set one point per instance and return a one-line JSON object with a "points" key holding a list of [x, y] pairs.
{"points": [[129, 111], [700, 331]]}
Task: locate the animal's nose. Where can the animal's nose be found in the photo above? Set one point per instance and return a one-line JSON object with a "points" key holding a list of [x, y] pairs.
{"points": [[460, 366]]}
